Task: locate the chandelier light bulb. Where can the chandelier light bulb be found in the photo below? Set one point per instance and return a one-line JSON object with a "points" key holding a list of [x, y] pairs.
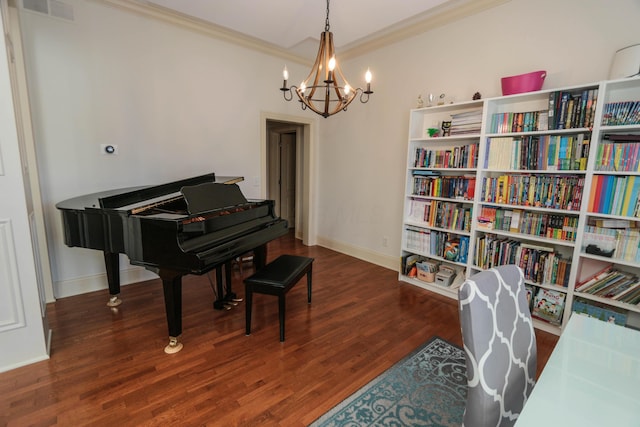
{"points": [[285, 73], [367, 76], [332, 63], [347, 89]]}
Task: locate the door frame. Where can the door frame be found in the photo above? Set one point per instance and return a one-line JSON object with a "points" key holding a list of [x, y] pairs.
{"points": [[306, 153]]}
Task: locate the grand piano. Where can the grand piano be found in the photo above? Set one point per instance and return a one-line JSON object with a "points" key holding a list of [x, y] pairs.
{"points": [[190, 226]]}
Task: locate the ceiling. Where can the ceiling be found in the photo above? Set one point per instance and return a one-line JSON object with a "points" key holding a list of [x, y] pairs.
{"points": [[294, 26]]}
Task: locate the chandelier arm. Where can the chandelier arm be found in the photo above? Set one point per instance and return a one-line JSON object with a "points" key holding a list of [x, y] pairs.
{"points": [[286, 90], [364, 95]]}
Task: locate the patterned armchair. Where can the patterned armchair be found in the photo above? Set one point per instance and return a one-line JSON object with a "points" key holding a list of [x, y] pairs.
{"points": [[500, 345]]}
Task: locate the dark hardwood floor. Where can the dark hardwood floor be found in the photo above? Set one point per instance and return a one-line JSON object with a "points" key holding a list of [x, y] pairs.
{"points": [[108, 368]]}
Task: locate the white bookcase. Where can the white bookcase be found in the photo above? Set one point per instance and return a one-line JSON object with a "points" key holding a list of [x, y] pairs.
{"points": [[428, 164], [526, 201]]}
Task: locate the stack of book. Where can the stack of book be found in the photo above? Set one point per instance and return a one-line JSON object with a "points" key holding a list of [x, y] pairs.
{"points": [[468, 122], [614, 284]]}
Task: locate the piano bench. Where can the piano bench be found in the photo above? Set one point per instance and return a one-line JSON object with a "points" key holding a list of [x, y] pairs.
{"points": [[276, 278]]}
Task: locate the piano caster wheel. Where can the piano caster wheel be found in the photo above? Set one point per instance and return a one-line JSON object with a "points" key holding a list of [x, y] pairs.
{"points": [[174, 346], [114, 301]]}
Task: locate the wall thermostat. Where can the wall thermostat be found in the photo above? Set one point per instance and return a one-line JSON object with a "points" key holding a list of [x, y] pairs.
{"points": [[108, 149]]}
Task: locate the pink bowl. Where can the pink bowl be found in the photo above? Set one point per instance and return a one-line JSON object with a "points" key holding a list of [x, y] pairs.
{"points": [[523, 82]]}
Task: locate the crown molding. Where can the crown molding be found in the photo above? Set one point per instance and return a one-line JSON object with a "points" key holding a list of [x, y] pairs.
{"points": [[150, 10], [434, 18], [437, 17]]}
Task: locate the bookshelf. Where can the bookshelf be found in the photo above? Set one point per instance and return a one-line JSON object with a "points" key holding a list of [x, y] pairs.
{"points": [[612, 212], [439, 194], [557, 170]]}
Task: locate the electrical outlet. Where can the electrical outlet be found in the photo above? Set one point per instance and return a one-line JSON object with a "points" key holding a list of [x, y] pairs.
{"points": [[108, 149]]}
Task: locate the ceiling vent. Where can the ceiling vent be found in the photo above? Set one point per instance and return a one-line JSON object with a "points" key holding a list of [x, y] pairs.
{"points": [[54, 8]]}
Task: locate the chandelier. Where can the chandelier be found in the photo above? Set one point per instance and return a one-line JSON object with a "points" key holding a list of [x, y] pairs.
{"points": [[325, 91]]}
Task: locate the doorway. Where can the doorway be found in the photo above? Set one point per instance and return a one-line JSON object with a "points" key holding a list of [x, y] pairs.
{"points": [[282, 168], [287, 171]]}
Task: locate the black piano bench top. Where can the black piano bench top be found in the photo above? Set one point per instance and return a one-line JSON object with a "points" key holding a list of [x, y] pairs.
{"points": [[283, 272]]}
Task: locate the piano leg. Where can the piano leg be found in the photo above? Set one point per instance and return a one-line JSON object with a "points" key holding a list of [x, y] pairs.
{"points": [[219, 303], [112, 264], [230, 297], [260, 257], [172, 286]]}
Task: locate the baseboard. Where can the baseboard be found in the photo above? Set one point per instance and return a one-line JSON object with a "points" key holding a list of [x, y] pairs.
{"points": [[22, 363], [373, 257], [97, 282]]}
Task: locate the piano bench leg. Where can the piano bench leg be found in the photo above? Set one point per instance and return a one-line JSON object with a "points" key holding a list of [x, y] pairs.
{"points": [[114, 301], [174, 346]]}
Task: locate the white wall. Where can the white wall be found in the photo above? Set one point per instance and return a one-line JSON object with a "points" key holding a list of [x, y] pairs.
{"points": [[179, 103], [363, 152], [176, 102]]}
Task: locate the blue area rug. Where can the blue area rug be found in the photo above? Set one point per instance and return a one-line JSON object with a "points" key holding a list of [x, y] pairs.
{"points": [[427, 388]]}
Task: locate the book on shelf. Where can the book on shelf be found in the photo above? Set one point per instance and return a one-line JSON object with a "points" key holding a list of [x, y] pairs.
{"points": [[610, 285], [601, 197], [630, 296], [599, 311], [452, 187], [548, 305], [540, 224], [621, 113], [540, 264], [527, 121], [408, 264], [464, 156], [549, 191], [463, 249], [619, 239], [538, 152], [619, 153], [531, 291], [589, 280], [467, 122], [570, 110]]}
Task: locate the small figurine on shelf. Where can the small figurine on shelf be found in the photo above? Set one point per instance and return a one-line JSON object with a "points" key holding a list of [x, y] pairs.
{"points": [[420, 103], [446, 128], [430, 100], [476, 96], [433, 132], [441, 101]]}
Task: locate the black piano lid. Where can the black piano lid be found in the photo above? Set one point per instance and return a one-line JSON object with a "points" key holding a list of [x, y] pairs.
{"points": [[94, 200], [131, 197]]}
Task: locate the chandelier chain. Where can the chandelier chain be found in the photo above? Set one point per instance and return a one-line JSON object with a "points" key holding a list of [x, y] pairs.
{"points": [[326, 23]]}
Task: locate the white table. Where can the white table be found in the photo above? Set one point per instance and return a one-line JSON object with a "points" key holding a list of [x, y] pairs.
{"points": [[591, 379]]}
